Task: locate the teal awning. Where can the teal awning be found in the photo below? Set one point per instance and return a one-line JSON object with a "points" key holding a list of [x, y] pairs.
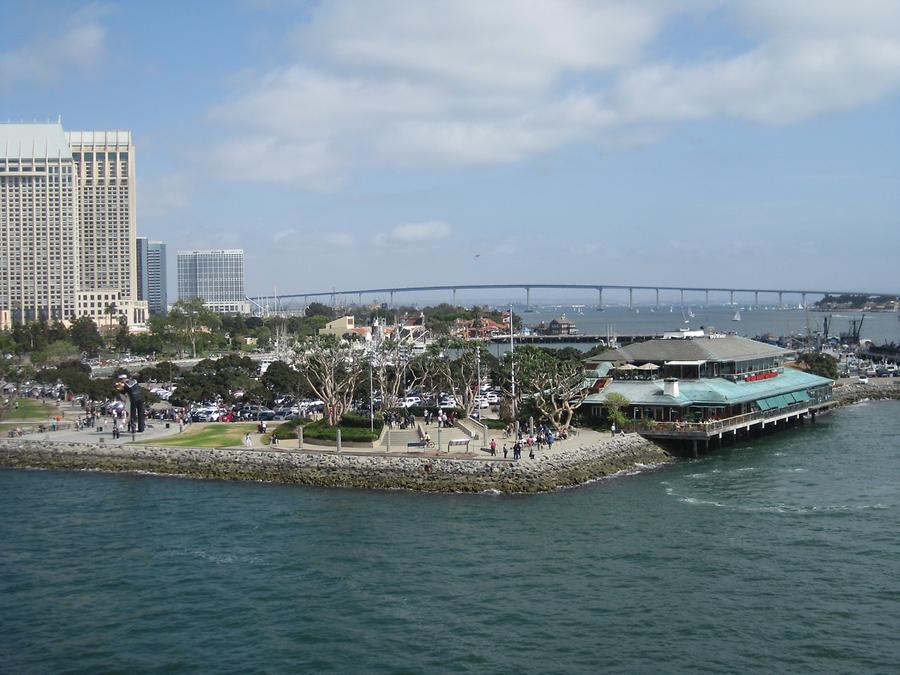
{"points": [[782, 401]]}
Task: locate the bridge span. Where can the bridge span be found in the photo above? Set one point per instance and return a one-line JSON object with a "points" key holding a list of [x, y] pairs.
{"points": [[598, 288]]}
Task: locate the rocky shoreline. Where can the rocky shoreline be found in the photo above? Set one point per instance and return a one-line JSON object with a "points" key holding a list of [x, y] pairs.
{"points": [[852, 392], [572, 467]]}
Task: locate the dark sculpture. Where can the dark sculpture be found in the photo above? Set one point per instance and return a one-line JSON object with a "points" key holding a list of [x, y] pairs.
{"points": [[130, 386]]}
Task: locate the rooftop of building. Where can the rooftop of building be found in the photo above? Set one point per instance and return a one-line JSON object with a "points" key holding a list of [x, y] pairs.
{"points": [[228, 251], [710, 391], [117, 137], [695, 349], [33, 139]]}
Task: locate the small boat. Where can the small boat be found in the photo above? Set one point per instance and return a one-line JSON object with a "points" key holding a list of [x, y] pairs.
{"points": [[737, 315]]}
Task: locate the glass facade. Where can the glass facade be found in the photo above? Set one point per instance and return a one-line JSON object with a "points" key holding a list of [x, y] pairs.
{"points": [[217, 277]]}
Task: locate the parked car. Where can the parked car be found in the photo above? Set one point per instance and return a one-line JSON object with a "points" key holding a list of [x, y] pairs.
{"points": [[410, 401], [864, 379]]}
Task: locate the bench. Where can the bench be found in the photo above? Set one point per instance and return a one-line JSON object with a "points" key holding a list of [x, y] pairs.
{"points": [[416, 444], [458, 441]]}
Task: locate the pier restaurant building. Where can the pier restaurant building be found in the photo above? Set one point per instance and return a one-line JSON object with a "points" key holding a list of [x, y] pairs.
{"points": [[702, 386]]}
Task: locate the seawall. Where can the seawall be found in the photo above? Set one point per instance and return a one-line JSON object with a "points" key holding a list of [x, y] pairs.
{"points": [[569, 468]]}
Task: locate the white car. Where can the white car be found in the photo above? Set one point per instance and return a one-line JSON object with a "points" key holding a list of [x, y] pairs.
{"points": [[863, 379], [410, 401]]}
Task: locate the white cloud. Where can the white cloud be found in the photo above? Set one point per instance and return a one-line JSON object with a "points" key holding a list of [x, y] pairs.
{"points": [[159, 196], [283, 234], [78, 46], [343, 239], [415, 233], [463, 83]]}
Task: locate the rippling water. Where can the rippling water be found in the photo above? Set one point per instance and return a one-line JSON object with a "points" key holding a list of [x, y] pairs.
{"points": [[771, 557]]}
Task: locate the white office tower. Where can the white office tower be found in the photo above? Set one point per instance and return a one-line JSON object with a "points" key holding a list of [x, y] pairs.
{"points": [[104, 162], [216, 277], [39, 243], [67, 225]]}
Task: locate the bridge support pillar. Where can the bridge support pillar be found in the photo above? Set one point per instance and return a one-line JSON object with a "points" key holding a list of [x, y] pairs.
{"points": [[707, 297], [682, 298], [780, 298], [600, 298], [657, 298], [527, 299], [630, 298], [803, 300], [756, 298], [359, 299], [454, 297], [391, 303], [732, 296]]}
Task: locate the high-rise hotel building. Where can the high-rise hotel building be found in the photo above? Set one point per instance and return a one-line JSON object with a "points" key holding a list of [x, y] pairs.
{"points": [[216, 277], [39, 240], [67, 224]]}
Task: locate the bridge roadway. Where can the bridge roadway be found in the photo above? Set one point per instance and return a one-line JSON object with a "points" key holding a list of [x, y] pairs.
{"points": [[780, 292]]}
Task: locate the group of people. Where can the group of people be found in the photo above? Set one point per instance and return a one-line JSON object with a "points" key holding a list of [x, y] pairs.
{"points": [[440, 417], [394, 420]]}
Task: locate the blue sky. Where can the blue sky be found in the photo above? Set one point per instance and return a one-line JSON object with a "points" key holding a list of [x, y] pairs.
{"points": [[380, 142]]}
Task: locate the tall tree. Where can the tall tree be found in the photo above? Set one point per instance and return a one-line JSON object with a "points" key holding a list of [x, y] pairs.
{"points": [[332, 371], [190, 317], [555, 385], [451, 365], [83, 332]]}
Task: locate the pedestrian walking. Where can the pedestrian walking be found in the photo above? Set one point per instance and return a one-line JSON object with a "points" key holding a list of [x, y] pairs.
{"points": [[493, 447], [247, 440]]}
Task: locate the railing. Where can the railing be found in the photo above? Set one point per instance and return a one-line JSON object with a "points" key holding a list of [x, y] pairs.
{"points": [[728, 422]]}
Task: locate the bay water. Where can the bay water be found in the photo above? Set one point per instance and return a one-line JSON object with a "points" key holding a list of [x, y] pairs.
{"points": [[778, 555]]}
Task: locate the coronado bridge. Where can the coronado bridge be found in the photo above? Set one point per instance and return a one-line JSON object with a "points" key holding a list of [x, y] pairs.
{"points": [[290, 301]]}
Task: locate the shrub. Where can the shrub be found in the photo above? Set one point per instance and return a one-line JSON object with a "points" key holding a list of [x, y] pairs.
{"points": [[321, 431]]}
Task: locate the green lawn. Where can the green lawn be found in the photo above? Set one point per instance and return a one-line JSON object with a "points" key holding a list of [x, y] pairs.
{"points": [[213, 435], [31, 409]]}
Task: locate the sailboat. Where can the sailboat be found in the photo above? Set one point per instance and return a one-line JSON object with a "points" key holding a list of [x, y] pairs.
{"points": [[737, 315]]}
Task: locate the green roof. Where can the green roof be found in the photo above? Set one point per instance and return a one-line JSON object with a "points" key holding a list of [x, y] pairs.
{"points": [[716, 391]]}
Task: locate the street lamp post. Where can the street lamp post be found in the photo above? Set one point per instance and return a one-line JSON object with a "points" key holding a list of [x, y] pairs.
{"points": [[371, 400], [512, 362]]}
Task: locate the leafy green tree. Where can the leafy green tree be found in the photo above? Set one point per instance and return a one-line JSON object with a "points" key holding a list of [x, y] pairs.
{"points": [[615, 404], [823, 365], [122, 339], [55, 353], [83, 332], [281, 379], [263, 337], [190, 318], [318, 309]]}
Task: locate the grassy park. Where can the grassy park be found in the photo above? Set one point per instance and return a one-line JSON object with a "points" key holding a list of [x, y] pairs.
{"points": [[31, 409], [212, 435]]}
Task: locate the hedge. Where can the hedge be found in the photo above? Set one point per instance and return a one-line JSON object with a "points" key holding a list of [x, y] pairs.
{"points": [[354, 427]]}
